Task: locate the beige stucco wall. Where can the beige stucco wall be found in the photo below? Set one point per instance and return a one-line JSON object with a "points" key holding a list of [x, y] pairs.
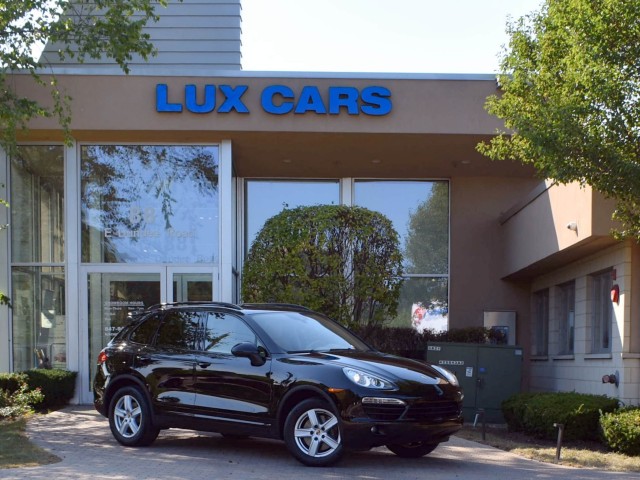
{"points": [[538, 228], [127, 103], [477, 252]]}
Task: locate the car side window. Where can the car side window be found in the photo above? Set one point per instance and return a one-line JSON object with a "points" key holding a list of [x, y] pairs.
{"points": [[178, 330], [222, 332], [144, 332]]}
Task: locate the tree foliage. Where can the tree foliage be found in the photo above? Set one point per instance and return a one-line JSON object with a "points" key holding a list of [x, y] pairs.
{"points": [[570, 100], [342, 261], [80, 29]]}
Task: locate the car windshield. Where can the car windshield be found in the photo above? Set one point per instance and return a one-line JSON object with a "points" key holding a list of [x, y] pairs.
{"points": [[296, 332]]}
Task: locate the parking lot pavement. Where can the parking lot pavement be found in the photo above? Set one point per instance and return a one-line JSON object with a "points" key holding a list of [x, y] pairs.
{"points": [[81, 438]]}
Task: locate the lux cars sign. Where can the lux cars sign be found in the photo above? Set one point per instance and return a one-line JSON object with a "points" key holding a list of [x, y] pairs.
{"points": [[277, 100]]}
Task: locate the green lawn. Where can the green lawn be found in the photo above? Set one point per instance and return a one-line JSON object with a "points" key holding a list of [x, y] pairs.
{"points": [[16, 450]]}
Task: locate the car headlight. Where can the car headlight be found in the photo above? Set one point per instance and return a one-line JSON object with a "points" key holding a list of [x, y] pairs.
{"points": [[367, 380], [450, 376]]}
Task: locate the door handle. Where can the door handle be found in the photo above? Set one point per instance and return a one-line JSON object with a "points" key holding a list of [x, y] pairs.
{"points": [[204, 364]]}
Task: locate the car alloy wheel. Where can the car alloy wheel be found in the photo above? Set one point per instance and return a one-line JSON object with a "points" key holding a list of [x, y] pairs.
{"points": [[312, 433], [130, 419]]}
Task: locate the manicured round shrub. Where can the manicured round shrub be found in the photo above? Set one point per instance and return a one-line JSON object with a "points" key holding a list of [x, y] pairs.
{"points": [[342, 261], [621, 430]]}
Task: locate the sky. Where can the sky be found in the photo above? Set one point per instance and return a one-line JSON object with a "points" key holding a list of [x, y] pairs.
{"points": [[398, 36]]}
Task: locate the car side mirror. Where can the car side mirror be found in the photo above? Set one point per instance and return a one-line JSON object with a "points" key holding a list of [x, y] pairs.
{"points": [[250, 351]]}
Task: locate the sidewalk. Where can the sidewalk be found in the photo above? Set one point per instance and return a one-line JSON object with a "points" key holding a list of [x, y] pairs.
{"points": [[83, 441]]}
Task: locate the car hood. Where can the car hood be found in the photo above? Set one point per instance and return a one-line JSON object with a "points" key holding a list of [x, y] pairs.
{"points": [[411, 376]]}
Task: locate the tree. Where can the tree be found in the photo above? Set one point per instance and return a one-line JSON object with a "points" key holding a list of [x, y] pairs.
{"points": [[570, 96], [342, 261], [111, 29]]}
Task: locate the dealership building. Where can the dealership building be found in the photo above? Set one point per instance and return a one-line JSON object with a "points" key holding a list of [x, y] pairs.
{"points": [[173, 169]]}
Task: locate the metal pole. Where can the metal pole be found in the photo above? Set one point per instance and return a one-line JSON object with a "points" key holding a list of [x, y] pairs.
{"points": [[560, 428]]}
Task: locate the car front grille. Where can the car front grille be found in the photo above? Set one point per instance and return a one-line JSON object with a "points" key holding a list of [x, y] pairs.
{"points": [[433, 411], [418, 412]]}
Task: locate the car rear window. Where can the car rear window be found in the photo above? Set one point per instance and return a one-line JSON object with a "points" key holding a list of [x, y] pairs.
{"points": [[145, 332]]}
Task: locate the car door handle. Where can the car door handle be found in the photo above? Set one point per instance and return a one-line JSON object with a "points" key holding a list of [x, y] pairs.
{"points": [[204, 364]]}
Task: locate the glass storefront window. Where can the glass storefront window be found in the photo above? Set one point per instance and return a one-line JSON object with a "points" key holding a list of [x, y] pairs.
{"points": [[37, 204], [149, 204], [419, 211], [113, 297], [39, 318], [266, 198], [424, 301], [39, 330]]}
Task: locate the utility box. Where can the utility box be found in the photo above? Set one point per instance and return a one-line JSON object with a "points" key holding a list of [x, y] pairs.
{"points": [[488, 374]]}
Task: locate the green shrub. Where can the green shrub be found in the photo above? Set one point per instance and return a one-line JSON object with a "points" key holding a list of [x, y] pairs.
{"points": [[57, 386], [342, 261], [536, 413], [513, 409], [11, 382], [621, 430], [407, 342], [15, 402]]}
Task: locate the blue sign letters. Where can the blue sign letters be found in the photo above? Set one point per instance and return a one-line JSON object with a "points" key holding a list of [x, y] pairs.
{"points": [[280, 100]]}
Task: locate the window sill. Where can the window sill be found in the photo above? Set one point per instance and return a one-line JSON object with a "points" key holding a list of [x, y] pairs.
{"points": [[563, 357], [630, 355], [598, 356], [539, 358]]}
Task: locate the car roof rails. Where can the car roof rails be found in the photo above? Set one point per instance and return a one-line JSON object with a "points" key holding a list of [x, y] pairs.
{"points": [[275, 306], [232, 306]]}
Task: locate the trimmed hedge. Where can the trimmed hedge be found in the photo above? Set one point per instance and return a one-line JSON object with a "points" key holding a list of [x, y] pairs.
{"points": [[621, 430], [11, 382], [536, 413], [407, 342], [57, 386]]}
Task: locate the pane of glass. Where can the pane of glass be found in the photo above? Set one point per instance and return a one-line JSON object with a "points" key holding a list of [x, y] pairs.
{"points": [[39, 318], [149, 204], [178, 330], [266, 198], [37, 204], [113, 297], [223, 332], [192, 287], [541, 322], [146, 331], [567, 318], [423, 304], [419, 211]]}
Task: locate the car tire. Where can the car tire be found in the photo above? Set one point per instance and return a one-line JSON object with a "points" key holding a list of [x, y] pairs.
{"points": [[130, 418], [413, 449], [313, 433]]}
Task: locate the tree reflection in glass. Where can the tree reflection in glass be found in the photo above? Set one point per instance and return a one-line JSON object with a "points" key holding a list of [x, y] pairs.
{"points": [[149, 204]]}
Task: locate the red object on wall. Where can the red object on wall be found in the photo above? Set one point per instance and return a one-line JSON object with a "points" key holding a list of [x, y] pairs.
{"points": [[615, 294]]}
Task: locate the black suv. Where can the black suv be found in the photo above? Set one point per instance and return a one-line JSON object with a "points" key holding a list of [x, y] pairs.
{"points": [[276, 371]]}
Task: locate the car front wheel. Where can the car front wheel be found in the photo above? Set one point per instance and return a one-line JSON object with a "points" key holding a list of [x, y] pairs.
{"points": [[413, 449], [312, 433], [130, 418]]}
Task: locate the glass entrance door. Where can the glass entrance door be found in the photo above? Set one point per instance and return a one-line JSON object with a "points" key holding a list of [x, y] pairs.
{"points": [[113, 294]]}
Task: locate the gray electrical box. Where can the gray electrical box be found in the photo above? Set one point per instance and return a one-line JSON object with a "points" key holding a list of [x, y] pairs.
{"points": [[488, 374]]}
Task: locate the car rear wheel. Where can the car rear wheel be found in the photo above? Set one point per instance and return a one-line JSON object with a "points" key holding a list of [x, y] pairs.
{"points": [[130, 418], [413, 449], [312, 433]]}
